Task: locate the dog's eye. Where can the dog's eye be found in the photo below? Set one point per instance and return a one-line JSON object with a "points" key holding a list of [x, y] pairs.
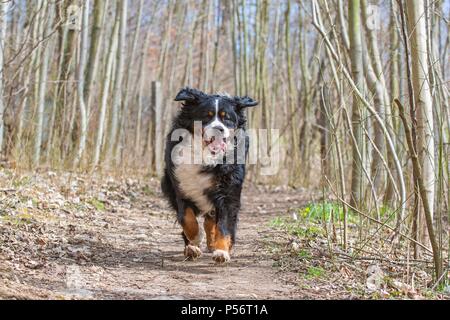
{"points": [[210, 113], [223, 114]]}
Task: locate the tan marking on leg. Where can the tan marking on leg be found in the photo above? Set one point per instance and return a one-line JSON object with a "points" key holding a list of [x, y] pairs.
{"points": [[192, 232], [190, 225], [210, 230], [222, 246]]}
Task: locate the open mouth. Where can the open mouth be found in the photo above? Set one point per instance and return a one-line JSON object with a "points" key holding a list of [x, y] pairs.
{"points": [[216, 145]]}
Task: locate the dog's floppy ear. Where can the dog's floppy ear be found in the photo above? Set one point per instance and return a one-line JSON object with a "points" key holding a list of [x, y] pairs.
{"points": [[245, 102], [189, 95]]}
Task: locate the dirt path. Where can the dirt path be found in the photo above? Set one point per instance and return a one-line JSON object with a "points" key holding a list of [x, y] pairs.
{"points": [[128, 247], [156, 268]]}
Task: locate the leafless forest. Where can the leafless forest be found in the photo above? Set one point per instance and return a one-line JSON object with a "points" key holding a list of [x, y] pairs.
{"points": [[358, 89]]}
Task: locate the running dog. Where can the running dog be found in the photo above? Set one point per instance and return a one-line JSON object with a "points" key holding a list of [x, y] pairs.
{"points": [[206, 188]]}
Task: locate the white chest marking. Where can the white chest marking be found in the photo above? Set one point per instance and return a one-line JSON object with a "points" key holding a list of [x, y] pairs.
{"points": [[193, 184]]}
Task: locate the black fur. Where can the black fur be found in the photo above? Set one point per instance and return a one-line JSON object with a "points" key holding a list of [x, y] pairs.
{"points": [[229, 178]]}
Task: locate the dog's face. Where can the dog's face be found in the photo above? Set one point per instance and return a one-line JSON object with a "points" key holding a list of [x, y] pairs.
{"points": [[220, 116]]}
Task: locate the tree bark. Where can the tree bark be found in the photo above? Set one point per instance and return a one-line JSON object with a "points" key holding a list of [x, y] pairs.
{"points": [[117, 92], [81, 84], [43, 76], [94, 51], [3, 7], [423, 102], [419, 176], [105, 93], [357, 74], [128, 92]]}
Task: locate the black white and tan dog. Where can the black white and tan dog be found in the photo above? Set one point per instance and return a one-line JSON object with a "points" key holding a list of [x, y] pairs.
{"points": [[211, 189]]}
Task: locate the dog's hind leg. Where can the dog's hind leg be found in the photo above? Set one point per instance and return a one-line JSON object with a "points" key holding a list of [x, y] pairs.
{"points": [[191, 234]]}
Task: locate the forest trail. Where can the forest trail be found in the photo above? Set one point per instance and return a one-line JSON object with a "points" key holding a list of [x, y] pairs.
{"points": [[128, 246]]}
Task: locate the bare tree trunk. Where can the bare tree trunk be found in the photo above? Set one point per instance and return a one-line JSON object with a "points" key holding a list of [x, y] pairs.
{"points": [[3, 7], [306, 131], [117, 92], [357, 73], [394, 85], [209, 17], [234, 38], [418, 174], [292, 96], [142, 82], [246, 70], [378, 171], [19, 146], [343, 25], [187, 75], [43, 75], [423, 102], [126, 98], [81, 82], [55, 105], [68, 46], [157, 105], [219, 30], [166, 43], [94, 51], [105, 93], [203, 15]]}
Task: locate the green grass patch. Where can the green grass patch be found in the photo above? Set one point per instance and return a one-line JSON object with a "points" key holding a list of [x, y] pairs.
{"points": [[315, 272], [277, 222], [18, 219], [75, 206], [296, 227], [387, 213], [325, 211], [99, 205], [303, 254], [23, 181]]}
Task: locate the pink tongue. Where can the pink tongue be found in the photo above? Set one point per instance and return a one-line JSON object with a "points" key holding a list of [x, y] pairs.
{"points": [[217, 145]]}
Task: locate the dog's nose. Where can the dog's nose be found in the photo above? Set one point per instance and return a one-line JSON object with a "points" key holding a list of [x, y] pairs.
{"points": [[219, 128]]}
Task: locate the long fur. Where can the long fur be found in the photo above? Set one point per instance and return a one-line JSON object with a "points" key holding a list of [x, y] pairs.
{"points": [[224, 191]]}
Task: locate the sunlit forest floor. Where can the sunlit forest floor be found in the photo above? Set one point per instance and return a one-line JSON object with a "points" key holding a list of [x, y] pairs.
{"points": [[67, 236]]}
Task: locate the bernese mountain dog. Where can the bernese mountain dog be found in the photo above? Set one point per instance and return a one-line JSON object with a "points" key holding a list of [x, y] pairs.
{"points": [[204, 177]]}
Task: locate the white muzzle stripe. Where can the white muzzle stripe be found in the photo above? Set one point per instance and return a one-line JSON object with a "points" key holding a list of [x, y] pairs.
{"points": [[216, 123]]}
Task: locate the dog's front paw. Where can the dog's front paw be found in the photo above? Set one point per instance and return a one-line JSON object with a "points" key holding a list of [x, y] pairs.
{"points": [[192, 252], [221, 256]]}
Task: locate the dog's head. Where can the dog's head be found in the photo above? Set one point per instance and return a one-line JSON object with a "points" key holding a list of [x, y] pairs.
{"points": [[219, 114]]}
